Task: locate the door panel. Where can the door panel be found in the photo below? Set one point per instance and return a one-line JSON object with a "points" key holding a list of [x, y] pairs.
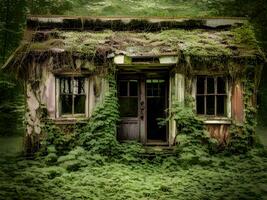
{"points": [[128, 93], [129, 130], [142, 101]]}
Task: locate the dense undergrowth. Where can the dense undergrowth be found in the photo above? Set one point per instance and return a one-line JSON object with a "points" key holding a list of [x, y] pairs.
{"points": [[98, 167], [92, 177]]}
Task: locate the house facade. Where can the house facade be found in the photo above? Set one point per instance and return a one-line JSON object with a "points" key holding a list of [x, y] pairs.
{"points": [[65, 62]]}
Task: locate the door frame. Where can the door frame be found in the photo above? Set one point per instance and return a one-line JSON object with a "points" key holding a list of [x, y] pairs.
{"points": [[142, 103]]}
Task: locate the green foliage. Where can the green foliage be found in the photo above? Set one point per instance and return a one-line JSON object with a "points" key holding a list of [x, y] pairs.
{"points": [[242, 136], [235, 177], [12, 20], [186, 120], [194, 145], [11, 106], [245, 35], [99, 135], [48, 7], [55, 141]]}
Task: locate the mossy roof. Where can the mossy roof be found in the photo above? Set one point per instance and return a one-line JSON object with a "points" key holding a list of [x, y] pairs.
{"points": [[239, 41]]}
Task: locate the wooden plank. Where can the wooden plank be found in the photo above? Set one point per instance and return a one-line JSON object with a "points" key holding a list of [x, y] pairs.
{"points": [[143, 121], [237, 103]]}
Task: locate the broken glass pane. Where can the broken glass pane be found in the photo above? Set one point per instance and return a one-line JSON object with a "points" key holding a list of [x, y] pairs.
{"points": [[78, 86], [65, 85]]}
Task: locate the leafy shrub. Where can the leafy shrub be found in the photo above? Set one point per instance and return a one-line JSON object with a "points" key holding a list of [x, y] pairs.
{"points": [[51, 158], [56, 141], [194, 145], [99, 135]]}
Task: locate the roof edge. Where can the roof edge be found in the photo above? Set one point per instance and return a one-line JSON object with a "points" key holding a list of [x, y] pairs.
{"points": [[129, 23]]}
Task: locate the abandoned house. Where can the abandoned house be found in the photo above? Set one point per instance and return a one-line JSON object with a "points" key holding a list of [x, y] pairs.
{"points": [[64, 62]]}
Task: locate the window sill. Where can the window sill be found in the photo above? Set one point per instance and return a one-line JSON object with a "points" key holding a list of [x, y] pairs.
{"points": [[218, 121], [70, 120]]}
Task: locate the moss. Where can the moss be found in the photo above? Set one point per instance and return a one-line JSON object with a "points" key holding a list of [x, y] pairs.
{"points": [[189, 42], [245, 35]]}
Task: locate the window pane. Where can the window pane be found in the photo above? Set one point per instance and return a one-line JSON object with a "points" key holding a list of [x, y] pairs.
{"points": [[128, 107], [221, 105], [79, 104], [200, 105], [210, 105], [221, 86], [200, 85], [162, 89], [65, 85], [133, 88], [210, 85], [123, 88], [149, 86], [66, 104], [155, 87], [78, 86]]}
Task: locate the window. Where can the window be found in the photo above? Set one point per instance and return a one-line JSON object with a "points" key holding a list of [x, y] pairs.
{"points": [[155, 88], [72, 95], [211, 95], [128, 98]]}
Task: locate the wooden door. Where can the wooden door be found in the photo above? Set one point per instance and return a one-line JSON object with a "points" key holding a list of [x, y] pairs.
{"points": [[129, 102], [142, 101]]}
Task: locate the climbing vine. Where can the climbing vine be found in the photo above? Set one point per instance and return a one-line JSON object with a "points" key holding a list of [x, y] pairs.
{"points": [[243, 135], [99, 135]]}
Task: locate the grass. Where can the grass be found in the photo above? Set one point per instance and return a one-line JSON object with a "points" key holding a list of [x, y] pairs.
{"points": [[166, 8]]}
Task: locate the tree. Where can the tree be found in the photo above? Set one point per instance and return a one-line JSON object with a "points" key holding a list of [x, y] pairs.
{"points": [[12, 20]]}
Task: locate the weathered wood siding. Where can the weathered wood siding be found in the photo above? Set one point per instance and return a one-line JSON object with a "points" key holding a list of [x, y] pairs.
{"points": [[237, 102], [219, 132]]}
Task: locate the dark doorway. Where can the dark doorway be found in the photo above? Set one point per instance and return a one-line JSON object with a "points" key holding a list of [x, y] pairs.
{"points": [[156, 105]]}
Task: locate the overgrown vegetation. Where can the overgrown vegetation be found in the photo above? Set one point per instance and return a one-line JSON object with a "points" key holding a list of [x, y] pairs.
{"points": [[190, 42], [72, 167]]}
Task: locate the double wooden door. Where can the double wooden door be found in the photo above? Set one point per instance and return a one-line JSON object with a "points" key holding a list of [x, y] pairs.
{"points": [[142, 104]]}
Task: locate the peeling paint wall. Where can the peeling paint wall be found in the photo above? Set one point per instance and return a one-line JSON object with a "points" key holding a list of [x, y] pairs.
{"points": [[40, 97], [42, 89], [219, 132]]}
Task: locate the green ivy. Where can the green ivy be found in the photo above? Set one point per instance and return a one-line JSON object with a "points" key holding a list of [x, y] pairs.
{"points": [[99, 135], [242, 136]]}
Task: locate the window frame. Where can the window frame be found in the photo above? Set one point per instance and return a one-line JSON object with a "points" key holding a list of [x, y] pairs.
{"points": [[72, 115], [215, 94], [128, 95]]}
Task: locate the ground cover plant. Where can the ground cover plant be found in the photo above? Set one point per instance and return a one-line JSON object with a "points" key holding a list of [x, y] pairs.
{"points": [[99, 167], [92, 177]]}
